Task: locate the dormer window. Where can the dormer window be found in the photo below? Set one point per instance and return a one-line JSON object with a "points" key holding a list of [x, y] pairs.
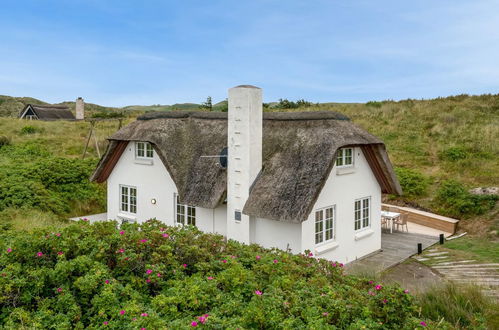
{"points": [[344, 157], [143, 150]]}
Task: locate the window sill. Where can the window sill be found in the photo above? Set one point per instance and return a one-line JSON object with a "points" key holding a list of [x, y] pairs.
{"points": [[364, 233], [345, 170], [127, 217], [321, 249], [144, 161]]}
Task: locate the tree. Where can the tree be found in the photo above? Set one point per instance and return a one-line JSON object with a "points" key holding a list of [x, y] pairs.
{"points": [[207, 105]]}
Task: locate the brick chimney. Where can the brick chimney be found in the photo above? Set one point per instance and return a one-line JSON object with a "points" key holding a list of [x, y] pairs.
{"points": [[244, 156], [80, 108]]}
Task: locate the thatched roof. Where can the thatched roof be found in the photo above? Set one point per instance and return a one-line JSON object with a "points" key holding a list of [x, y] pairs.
{"points": [[49, 112], [299, 151]]}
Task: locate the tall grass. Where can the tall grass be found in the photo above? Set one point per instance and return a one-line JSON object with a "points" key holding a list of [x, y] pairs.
{"points": [[464, 306]]}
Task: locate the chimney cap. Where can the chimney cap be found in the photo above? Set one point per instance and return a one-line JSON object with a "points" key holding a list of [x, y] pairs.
{"points": [[247, 86]]}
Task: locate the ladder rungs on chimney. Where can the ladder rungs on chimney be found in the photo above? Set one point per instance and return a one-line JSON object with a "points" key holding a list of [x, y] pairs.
{"points": [[237, 132]]}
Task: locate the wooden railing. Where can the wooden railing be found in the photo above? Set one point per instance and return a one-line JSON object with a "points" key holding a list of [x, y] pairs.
{"points": [[427, 219]]}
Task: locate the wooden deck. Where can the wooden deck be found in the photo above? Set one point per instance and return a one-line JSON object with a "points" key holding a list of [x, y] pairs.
{"points": [[395, 247]]}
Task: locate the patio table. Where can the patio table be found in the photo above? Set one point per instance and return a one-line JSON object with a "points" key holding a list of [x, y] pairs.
{"points": [[390, 216]]}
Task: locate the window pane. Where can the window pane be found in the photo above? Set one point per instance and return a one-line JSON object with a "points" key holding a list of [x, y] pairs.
{"points": [[149, 150], [140, 149]]}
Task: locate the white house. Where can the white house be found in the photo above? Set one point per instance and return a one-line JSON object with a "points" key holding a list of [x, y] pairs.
{"points": [[296, 180]]}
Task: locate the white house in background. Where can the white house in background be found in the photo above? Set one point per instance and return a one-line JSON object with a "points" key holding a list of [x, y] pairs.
{"points": [[295, 181]]}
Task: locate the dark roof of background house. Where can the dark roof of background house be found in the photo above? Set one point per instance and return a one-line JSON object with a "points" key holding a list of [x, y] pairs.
{"points": [[299, 151], [50, 112]]}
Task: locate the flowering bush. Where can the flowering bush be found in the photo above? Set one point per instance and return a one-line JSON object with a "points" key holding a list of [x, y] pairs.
{"points": [[135, 277]]}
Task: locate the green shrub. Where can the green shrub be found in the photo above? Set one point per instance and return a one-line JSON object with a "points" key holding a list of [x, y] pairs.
{"points": [[453, 153], [85, 275], [35, 179], [4, 141], [374, 104], [412, 182], [453, 199], [30, 130], [462, 306]]}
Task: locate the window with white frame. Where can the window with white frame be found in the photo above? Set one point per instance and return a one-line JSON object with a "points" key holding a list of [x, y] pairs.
{"points": [[344, 157], [128, 199], [362, 213], [325, 225], [185, 214], [143, 150]]}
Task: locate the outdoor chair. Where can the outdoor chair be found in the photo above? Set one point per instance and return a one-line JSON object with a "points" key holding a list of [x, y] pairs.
{"points": [[402, 221]]}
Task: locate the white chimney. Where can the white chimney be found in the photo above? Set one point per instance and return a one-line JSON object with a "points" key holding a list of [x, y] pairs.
{"points": [[244, 156], [80, 109]]}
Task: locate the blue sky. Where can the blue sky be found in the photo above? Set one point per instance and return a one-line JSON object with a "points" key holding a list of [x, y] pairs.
{"points": [[118, 53]]}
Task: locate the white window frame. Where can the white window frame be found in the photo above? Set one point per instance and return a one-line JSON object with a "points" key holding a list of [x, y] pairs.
{"points": [[127, 202], [342, 157], [143, 150], [321, 222], [185, 215], [362, 213]]}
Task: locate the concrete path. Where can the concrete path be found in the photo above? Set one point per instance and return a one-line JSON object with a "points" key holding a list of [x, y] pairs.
{"points": [[464, 271], [396, 248]]}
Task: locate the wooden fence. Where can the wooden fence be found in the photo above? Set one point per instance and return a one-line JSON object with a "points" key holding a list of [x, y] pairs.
{"points": [[427, 219]]}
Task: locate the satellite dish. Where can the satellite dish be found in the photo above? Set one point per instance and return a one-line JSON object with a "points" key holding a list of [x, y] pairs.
{"points": [[223, 157]]}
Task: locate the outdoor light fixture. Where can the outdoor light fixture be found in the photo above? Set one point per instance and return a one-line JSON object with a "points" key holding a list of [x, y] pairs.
{"points": [[153, 201]]}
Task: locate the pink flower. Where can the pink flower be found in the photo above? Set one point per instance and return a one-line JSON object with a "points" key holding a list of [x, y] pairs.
{"points": [[203, 318], [107, 281], [9, 250], [134, 319], [161, 229], [275, 261], [406, 291], [184, 265], [59, 290], [258, 292], [122, 312], [258, 257], [143, 241], [333, 264], [58, 234], [370, 282], [144, 314], [385, 301], [210, 277], [105, 323], [143, 329], [233, 257], [378, 287], [148, 280], [423, 323], [39, 254], [194, 324], [85, 219], [121, 250], [310, 254], [158, 274], [60, 253], [122, 232], [371, 293], [149, 271], [224, 261], [341, 265], [166, 235]]}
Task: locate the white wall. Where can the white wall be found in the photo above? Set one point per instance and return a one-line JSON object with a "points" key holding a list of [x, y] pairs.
{"points": [[278, 234], [342, 191], [154, 182]]}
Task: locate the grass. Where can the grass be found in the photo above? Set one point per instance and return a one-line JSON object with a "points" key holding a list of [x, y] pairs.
{"points": [[478, 248], [465, 307], [29, 219]]}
